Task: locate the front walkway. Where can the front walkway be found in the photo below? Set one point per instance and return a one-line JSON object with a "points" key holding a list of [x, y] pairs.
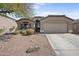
{"points": [[64, 44]]}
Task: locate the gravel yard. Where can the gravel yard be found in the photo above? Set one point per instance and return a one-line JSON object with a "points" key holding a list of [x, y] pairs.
{"points": [[17, 46]]}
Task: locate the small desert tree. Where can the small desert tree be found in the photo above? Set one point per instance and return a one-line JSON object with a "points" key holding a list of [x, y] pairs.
{"points": [[17, 9]]}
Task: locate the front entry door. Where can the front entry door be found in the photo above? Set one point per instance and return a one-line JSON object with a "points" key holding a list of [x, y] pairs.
{"points": [[37, 26]]}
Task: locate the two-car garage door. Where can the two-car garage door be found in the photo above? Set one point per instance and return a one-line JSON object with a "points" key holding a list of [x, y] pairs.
{"points": [[55, 28]]}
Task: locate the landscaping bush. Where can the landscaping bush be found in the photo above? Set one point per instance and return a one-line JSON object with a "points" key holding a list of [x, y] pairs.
{"points": [[24, 33], [29, 31], [21, 32]]}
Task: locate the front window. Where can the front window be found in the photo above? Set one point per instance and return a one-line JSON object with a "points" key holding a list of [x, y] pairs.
{"points": [[25, 25]]}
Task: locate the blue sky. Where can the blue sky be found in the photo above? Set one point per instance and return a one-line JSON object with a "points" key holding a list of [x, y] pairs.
{"points": [[69, 9]]}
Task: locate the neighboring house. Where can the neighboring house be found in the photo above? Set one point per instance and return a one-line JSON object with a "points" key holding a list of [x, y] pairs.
{"points": [[7, 24], [76, 26], [24, 23], [56, 24]]}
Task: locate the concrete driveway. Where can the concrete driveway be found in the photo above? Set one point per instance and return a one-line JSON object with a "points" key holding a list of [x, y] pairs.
{"points": [[64, 44]]}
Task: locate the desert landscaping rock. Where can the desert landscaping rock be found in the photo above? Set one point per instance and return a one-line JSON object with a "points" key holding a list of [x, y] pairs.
{"points": [[32, 49]]}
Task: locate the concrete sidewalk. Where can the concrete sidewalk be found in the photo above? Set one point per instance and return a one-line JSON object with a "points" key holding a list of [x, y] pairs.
{"points": [[61, 46]]}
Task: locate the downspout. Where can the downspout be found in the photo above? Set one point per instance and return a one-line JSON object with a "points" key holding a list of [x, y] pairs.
{"points": [[67, 28]]}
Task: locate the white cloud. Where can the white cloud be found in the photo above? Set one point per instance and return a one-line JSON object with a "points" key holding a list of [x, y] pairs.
{"points": [[73, 15], [41, 4], [38, 5]]}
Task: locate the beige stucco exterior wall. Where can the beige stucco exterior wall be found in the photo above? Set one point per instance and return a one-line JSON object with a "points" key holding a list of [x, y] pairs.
{"points": [[76, 27], [57, 20]]}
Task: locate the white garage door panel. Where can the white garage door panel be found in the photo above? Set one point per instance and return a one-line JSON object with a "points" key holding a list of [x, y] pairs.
{"points": [[56, 27]]}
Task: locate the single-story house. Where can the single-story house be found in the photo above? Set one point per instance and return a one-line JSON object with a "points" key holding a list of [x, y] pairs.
{"points": [[24, 23], [56, 24], [49, 24], [76, 26], [7, 24]]}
